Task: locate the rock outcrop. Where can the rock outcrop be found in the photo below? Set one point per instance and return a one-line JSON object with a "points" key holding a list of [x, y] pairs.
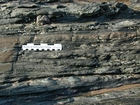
{"points": [[101, 50]]}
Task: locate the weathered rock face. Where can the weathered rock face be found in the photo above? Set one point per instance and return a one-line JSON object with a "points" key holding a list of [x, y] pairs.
{"points": [[101, 50]]}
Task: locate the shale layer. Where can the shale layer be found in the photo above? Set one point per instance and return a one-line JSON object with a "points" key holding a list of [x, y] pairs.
{"points": [[101, 50]]}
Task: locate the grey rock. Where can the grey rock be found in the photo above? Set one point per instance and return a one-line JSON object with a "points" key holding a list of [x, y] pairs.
{"points": [[64, 12], [83, 10], [100, 51], [4, 1], [116, 98], [108, 70], [125, 23], [10, 21], [73, 80]]}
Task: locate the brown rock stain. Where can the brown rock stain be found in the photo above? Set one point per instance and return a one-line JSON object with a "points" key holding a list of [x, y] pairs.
{"points": [[120, 88], [5, 68], [8, 42], [6, 56]]}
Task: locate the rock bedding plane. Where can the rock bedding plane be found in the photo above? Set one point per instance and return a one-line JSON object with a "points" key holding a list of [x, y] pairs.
{"points": [[101, 51]]}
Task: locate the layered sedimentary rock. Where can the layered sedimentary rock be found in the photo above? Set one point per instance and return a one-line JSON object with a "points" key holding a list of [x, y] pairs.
{"points": [[101, 50]]}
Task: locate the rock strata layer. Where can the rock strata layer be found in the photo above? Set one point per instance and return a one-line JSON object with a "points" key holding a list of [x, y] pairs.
{"points": [[101, 50]]}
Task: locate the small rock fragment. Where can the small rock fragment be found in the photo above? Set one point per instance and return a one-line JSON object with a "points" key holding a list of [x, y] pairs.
{"points": [[42, 20]]}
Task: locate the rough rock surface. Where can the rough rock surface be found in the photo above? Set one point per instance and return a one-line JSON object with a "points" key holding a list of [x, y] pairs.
{"points": [[101, 50]]}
